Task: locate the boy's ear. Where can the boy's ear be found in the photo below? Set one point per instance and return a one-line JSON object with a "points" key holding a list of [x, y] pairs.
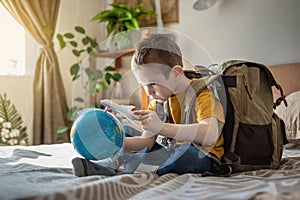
{"points": [[178, 70]]}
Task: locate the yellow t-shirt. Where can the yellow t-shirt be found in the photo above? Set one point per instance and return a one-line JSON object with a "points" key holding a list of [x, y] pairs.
{"points": [[206, 105]]}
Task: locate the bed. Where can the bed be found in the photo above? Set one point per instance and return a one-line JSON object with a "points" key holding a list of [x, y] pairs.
{"points": [[45, 171]]}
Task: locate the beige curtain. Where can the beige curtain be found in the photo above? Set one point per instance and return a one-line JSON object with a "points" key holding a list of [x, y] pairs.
{"points": [[50, 108]]}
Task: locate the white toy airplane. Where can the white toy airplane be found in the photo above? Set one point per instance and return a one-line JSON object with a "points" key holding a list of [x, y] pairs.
{"points": [[123, 111]]}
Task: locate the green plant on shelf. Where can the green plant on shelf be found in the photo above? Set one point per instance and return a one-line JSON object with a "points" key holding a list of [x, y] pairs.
{"points": [[120, 21], [122, 18]]}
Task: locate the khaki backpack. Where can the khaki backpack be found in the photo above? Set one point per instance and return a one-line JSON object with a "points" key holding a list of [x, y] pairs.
{"points": [[253, 134]]}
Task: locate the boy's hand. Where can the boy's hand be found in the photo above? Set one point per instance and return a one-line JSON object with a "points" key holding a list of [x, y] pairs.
{"points": [[150, 120]]}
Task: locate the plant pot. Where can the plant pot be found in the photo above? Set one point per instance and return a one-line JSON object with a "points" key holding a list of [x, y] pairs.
{"points": [[120, 41]]}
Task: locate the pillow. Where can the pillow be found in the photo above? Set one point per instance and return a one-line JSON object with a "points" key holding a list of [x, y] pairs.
{"points": [[291, 115]]}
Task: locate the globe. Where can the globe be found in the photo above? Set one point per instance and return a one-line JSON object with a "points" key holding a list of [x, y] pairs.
{"points": [[97, 134]]}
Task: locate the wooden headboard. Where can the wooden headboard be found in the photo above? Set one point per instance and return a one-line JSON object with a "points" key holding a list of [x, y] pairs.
{"points": [[288, 76]]}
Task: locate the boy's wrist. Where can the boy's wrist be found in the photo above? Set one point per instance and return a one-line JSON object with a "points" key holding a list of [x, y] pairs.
{"points": [[155, 129]]}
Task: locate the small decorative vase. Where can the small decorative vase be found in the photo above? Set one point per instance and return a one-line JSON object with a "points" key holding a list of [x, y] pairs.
{"points": [[120, 41]]}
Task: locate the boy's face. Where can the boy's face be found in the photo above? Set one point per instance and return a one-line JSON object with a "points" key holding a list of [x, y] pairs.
{"points": [[158, 92], [159, 81]]}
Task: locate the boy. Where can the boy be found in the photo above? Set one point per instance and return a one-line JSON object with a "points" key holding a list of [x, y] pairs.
{"points": [[157, 65]]}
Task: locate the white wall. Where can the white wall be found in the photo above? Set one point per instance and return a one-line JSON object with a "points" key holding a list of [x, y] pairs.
{"points": [[266, 31]]}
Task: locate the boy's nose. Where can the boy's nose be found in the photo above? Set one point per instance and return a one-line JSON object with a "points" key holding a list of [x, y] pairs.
{"points": [[149, 90]]}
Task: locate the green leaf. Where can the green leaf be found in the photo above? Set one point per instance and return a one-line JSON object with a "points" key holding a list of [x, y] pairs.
{"points": [[109, 69], [123, 19], [128, 15], [76, 52], [94, 44], [119, 5], [89, 50], [108, 76], [110, 27], [79, 29], [75, 77], [135, 24], [74, 69], [62, 43], [74, 43], [60, 139], [102, 15], [129, 26], [86, 40], [116, 77], [72, 114], [98, 86], [62, 129], [79, 99], [69, 35], [104, 86]]}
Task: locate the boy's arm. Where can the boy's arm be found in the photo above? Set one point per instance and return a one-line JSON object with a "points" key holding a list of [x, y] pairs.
{"points": [[206, 132], [137, 143]]}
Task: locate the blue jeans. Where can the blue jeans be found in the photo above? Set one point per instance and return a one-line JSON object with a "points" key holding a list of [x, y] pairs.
{"points": [[184, 158]]}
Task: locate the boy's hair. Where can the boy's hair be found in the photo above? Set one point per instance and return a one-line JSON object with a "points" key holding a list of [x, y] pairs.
{"points": [[158, 48]]}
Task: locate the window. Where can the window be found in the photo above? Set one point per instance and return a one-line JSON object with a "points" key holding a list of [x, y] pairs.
{"points": [[12, 42]]}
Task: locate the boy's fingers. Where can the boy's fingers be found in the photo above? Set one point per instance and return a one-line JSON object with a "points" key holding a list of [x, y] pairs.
{"points": [[140, 112], [145, 121], [143, 117]]}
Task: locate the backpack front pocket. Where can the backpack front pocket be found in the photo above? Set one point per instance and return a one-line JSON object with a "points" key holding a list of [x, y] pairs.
{"points": [[254, 144]]}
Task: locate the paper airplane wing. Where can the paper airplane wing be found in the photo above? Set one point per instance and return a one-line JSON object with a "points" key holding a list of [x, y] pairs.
{"points": [[125, 111]]}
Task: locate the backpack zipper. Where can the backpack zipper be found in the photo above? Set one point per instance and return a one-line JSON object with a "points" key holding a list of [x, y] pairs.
{"points": [[247, 87]]}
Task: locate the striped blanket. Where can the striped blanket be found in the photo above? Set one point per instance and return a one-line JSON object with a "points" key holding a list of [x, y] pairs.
{"points": [[45, 172]]}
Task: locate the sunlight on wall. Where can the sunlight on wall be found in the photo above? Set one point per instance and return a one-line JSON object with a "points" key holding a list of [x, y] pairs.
{"points": [[12, 40]]}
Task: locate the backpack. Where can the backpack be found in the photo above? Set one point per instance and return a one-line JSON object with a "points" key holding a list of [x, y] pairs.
{"points": [[253, 134]]}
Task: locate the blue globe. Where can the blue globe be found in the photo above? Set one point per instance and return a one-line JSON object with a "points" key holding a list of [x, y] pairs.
{"points": [[97, 134]]}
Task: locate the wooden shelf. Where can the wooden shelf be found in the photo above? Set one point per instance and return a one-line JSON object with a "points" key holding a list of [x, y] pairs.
{"points": [[115, 54]]}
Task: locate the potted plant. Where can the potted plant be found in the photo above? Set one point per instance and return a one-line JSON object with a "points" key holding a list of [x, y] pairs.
{"points": [[96, 80], [120, 20], [11, 130]]}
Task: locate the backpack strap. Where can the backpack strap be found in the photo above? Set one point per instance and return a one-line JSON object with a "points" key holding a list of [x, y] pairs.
{"points": [[195, 89], [281, 98], [231, 161], [273, 82]]}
